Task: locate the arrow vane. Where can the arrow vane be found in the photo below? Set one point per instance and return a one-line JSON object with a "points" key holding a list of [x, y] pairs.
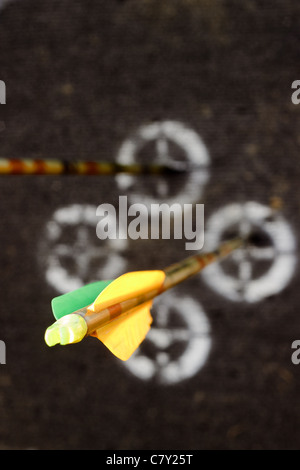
{"points": [[118, 312]]}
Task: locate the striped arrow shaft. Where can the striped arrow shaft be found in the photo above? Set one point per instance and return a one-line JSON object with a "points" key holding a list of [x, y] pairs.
{"points": [[60, 167]]}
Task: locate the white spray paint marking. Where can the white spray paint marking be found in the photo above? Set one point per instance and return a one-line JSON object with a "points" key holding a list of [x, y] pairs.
{"points": [[279, 253], [162, 135], [193, 334], [73, 255]]}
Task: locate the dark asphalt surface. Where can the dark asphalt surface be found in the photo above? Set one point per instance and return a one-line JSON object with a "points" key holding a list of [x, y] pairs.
{"points": [[81, 77]]}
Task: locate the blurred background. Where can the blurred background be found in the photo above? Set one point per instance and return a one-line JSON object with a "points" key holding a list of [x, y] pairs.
{"points": [[206, 82]]}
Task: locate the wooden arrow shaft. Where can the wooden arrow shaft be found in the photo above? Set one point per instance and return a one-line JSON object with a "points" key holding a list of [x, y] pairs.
{"points": [[175, 274], [60, 167]]}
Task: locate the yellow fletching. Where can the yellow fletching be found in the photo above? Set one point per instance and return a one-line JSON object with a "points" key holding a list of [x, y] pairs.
{"points": [[127, 286], [124, 335]]}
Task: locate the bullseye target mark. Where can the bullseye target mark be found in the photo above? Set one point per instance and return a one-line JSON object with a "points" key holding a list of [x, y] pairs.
{"points": [[178, 344], [261, 269], [73, 255], [169, 143]]}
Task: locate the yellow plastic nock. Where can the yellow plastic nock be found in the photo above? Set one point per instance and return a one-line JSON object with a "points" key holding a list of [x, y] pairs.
{"points": [[67, 330]]}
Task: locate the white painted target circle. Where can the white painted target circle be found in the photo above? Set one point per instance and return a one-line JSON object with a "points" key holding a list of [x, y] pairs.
{"points": [[73, 255], [165, 137], [277, 253], [178, 321]]}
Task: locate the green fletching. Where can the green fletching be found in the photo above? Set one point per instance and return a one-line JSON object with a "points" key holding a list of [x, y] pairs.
{"points": [[77, 299]]}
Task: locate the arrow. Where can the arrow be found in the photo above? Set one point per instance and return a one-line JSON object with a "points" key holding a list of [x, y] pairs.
{"points": [[15, 166], [118, 312]]}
